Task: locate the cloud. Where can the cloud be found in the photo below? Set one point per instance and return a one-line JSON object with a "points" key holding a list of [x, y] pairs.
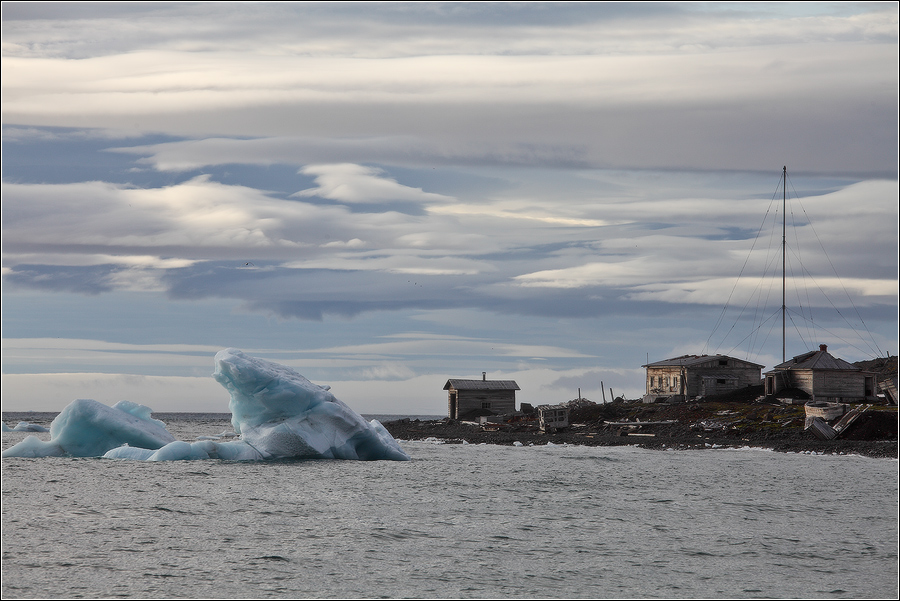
{"points": [[405, 150], [552, 191], [826, 292], [358, 184], [624, 92], [54, 391], [590, 274], [196, 219], [511, 211], [522, 253], [411, 344], [413, 29], [87, 260], [386, 371], [19, 134], [399, 261], [92, 352]]}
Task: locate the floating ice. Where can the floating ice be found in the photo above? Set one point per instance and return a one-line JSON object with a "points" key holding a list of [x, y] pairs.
{"points": [[180, 450], [278, 413], [86, 428], [25, 427], [281, 414]]}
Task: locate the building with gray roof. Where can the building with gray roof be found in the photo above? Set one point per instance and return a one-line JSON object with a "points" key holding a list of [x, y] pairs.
{"points": [[823, 377], [691, 376], [467, 399]]}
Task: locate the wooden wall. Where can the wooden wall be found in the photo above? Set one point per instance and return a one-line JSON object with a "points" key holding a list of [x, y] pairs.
{"points": [[499, 401], [836, 385], [843, 385], [746, 376]]}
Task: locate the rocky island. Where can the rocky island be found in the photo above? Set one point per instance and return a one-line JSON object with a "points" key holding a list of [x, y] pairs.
{"points": [[740, 419]]}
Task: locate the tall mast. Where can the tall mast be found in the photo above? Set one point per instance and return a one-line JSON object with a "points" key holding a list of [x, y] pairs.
{"points": [[783, 257]]}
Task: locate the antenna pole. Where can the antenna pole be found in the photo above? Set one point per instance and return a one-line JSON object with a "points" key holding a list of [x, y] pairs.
{"points": [[783, 258]]}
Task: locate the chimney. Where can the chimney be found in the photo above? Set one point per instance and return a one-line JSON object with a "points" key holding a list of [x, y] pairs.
{"points": [[484, 376], [823, 347]]}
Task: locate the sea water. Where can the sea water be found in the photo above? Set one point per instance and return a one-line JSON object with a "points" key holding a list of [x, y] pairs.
{"points": [[470, 521]]}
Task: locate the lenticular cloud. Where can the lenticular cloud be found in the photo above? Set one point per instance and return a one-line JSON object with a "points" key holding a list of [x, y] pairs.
{"points": [[278, 413]]}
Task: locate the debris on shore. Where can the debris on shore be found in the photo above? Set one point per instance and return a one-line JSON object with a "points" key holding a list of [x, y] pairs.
{"points": [[736, 420]]}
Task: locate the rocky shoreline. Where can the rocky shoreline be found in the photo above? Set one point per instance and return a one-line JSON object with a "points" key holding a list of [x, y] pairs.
{"points": [[706, 425]]}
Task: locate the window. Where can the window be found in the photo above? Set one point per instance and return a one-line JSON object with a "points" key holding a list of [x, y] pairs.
{"points": [[485, 405]]}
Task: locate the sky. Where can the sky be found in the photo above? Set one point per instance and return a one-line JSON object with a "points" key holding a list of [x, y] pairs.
{"points": [[384, 196]]}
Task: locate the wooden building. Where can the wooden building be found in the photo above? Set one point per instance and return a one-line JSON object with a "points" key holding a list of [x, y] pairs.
{"points": [[553, 417], [470, 398], [823, 377], [691, 376]]}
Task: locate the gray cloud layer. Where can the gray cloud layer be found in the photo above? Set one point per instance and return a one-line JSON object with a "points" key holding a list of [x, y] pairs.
{"points": [[660, 87], [431, 163]]}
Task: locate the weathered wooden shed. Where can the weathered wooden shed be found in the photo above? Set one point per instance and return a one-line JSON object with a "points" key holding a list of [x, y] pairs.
{"points": [[478, 397], [553, 417], [823, 377], [691, 376]]}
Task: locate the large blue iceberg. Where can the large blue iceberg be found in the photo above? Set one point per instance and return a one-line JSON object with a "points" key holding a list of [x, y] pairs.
{"points": [[278, 413], [282, 414]]}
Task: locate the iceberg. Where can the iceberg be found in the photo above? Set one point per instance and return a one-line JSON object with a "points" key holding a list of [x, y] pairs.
{"points": [[86, 428], [277, 413], [182, 451], [25, 427], [281, 414]]}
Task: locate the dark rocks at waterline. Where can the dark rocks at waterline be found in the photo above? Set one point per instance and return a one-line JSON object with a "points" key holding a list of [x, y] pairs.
{"points": [[693, 425]]}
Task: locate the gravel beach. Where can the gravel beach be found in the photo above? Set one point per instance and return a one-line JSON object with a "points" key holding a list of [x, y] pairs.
{"points": [[693, 425]]}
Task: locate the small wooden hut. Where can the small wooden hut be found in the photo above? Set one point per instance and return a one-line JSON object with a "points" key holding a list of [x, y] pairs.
{"points": [[553, 417], [471, 398]]}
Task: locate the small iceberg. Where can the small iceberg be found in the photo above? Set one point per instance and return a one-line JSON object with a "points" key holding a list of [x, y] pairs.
{"points": [[277, 413], [86, 428], [25, 427]]}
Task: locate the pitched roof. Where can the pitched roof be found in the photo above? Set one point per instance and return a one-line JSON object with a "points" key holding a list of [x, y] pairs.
{"points": [[820, 359], [481, 384], [690, 360]]}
